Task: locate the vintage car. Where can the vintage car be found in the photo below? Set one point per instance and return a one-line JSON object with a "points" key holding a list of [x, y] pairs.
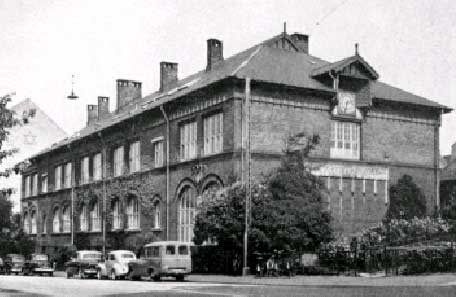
{"points": [[4, 267], [16, 262], [162, 259], [116, 264], [38, 264], [85, 264]]}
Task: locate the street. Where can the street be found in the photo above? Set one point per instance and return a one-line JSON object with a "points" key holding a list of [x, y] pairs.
{"points": [[299, 286]]}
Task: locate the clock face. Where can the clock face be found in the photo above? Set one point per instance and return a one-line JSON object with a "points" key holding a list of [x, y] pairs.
{"points": [[346, 103]]}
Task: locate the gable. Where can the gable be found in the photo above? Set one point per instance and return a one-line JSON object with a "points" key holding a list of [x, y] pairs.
{"points": [[355, 69]]}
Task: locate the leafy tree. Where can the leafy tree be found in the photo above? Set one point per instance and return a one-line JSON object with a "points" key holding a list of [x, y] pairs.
{"points": [[287, 211], [406, 200]]}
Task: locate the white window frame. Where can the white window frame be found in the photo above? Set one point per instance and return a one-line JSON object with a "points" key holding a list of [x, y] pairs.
{"points": [[345, 140], [26, 223], [58, 178], [68, 167], [116, 216], [158, 146], [85, 170], [55, 221], [186, 214], [97, 167], [84, 218], [188, 140], [95, 220], [66, 219], [34, 186], [44, 183], [33, 222], [134, 157], [118, 161], [27, 182], [213, 134], [133, 213]]}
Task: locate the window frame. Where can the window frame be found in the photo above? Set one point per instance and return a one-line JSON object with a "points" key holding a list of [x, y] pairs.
{"points": [[345, 139], [119, 162], [97, 160], [67, 180], [133, 213], [57, 177], [188, 136], [134, 157], [158, 151], [213, 137]]}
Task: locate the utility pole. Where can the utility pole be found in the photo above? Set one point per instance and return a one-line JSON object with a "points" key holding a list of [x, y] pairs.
{"points": [[245, 269]]}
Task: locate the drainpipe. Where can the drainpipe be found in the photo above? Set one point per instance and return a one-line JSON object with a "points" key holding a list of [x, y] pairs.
{"points": [[104, 176], [165, 116]]}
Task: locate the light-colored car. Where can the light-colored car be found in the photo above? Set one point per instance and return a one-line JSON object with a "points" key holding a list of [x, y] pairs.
{"points": [[85, 264], [116, 265], [16, 263], [38, 264]]}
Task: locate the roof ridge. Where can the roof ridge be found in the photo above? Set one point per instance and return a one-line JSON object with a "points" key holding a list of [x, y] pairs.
{"points": [[247, 61]]}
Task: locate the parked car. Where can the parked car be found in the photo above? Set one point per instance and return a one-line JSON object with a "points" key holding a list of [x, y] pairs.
{"points": [[116, 265], [85, 264], [39, 264], [162, 259], [4, 267], [16, 262]]}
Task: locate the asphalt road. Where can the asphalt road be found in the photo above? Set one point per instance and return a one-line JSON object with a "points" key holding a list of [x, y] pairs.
{"points": [[60, 286]]}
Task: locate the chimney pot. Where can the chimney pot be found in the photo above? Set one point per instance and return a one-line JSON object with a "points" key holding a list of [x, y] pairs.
{"points": [[214, 53], [301, 41], [168, 75]]}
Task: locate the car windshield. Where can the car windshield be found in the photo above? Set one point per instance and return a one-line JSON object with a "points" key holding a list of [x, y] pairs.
{"points": [[17, 259], [92, 256], [170, 250], [183, 250], [40, 257], [128, 256]]}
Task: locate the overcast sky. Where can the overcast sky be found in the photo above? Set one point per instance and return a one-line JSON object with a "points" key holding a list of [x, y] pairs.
{"points": [[411, 44]]}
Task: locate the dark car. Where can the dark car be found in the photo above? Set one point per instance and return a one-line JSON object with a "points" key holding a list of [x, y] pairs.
{"points": [[85, 264], [38, 264], [16, 263]]}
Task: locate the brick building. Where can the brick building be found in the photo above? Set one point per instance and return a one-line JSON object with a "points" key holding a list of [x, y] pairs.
{"points": [[135, 174], [448, 178]]}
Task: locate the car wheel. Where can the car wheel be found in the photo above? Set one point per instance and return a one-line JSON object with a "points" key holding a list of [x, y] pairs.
{"points": [[180, 278], [113, 275], [156, 278], [51, 273], [69, 274]]}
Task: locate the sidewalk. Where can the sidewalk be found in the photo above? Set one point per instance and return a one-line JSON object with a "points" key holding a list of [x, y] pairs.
{"points": [[417, 280]]}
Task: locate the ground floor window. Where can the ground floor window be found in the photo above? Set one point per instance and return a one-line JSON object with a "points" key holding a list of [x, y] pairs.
{"points": [[66, 219], [95, 218], [186, 213], [84, 218], [26, 223], [33, 221], [157, 214], [132, 213], [56, 221], [116, 216]]}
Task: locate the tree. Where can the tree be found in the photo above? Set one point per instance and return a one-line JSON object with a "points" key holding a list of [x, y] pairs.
{"points": [[287, 212], [406, 200]]}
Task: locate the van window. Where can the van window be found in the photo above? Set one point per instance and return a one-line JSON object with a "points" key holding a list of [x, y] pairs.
{"points": [[170, 250], [112, 257], [183, 250], [152, 251]]}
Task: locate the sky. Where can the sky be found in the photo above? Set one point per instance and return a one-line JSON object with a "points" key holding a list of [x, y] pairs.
{"points": [[411, 44]]}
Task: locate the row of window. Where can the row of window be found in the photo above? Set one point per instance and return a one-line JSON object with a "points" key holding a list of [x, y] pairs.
{"points": [[213, 143], [90, 218]]}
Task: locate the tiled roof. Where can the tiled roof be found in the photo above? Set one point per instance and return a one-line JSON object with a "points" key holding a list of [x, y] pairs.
{"points": [[261, 63]]}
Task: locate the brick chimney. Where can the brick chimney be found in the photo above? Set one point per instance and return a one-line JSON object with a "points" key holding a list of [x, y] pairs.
{"points": [[301, 41], [168, 75], [103, 107], [127, 91], [92, 114], [214, 52]]}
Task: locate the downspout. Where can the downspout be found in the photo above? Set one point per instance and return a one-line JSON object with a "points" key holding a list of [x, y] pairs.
{"points": [[165, 116]]}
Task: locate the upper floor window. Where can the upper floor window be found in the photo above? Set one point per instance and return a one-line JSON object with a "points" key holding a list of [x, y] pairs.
{"points": [[85, 170], [67, 175], [58, 178], [44, 183], [34, 185], [134, 155], [213, 134], [345, 141], [118, 161], [97, 167], [158, 152], [27, 183], [188, 144]]}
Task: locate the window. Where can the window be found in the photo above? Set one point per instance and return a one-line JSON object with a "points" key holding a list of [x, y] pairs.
{"points": [[44, 183], [152, 251], [157, 214], [158, 153], [66, 219], [56, 221], [118, 161], [170, 250], [26, 223], [134, 157], [344, 140], [97, 167], [186, 215], [183, 250], [85, 170], [95, 218], [133, 213], [213, 134], [44, 222], [58, 178], [84, 218], [188, 139], [33, 221], [116, 217], [27, 183], [67, 175], [34, 189]]}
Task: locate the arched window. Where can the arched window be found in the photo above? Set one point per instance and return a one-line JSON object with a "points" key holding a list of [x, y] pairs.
{"points": [[95, 217], [44, 222], [84, 218], [66, 219], [157, 217], [26, 223], [116, 217], [132, 213], [56, 221], [33, 221], [186, 214]]}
